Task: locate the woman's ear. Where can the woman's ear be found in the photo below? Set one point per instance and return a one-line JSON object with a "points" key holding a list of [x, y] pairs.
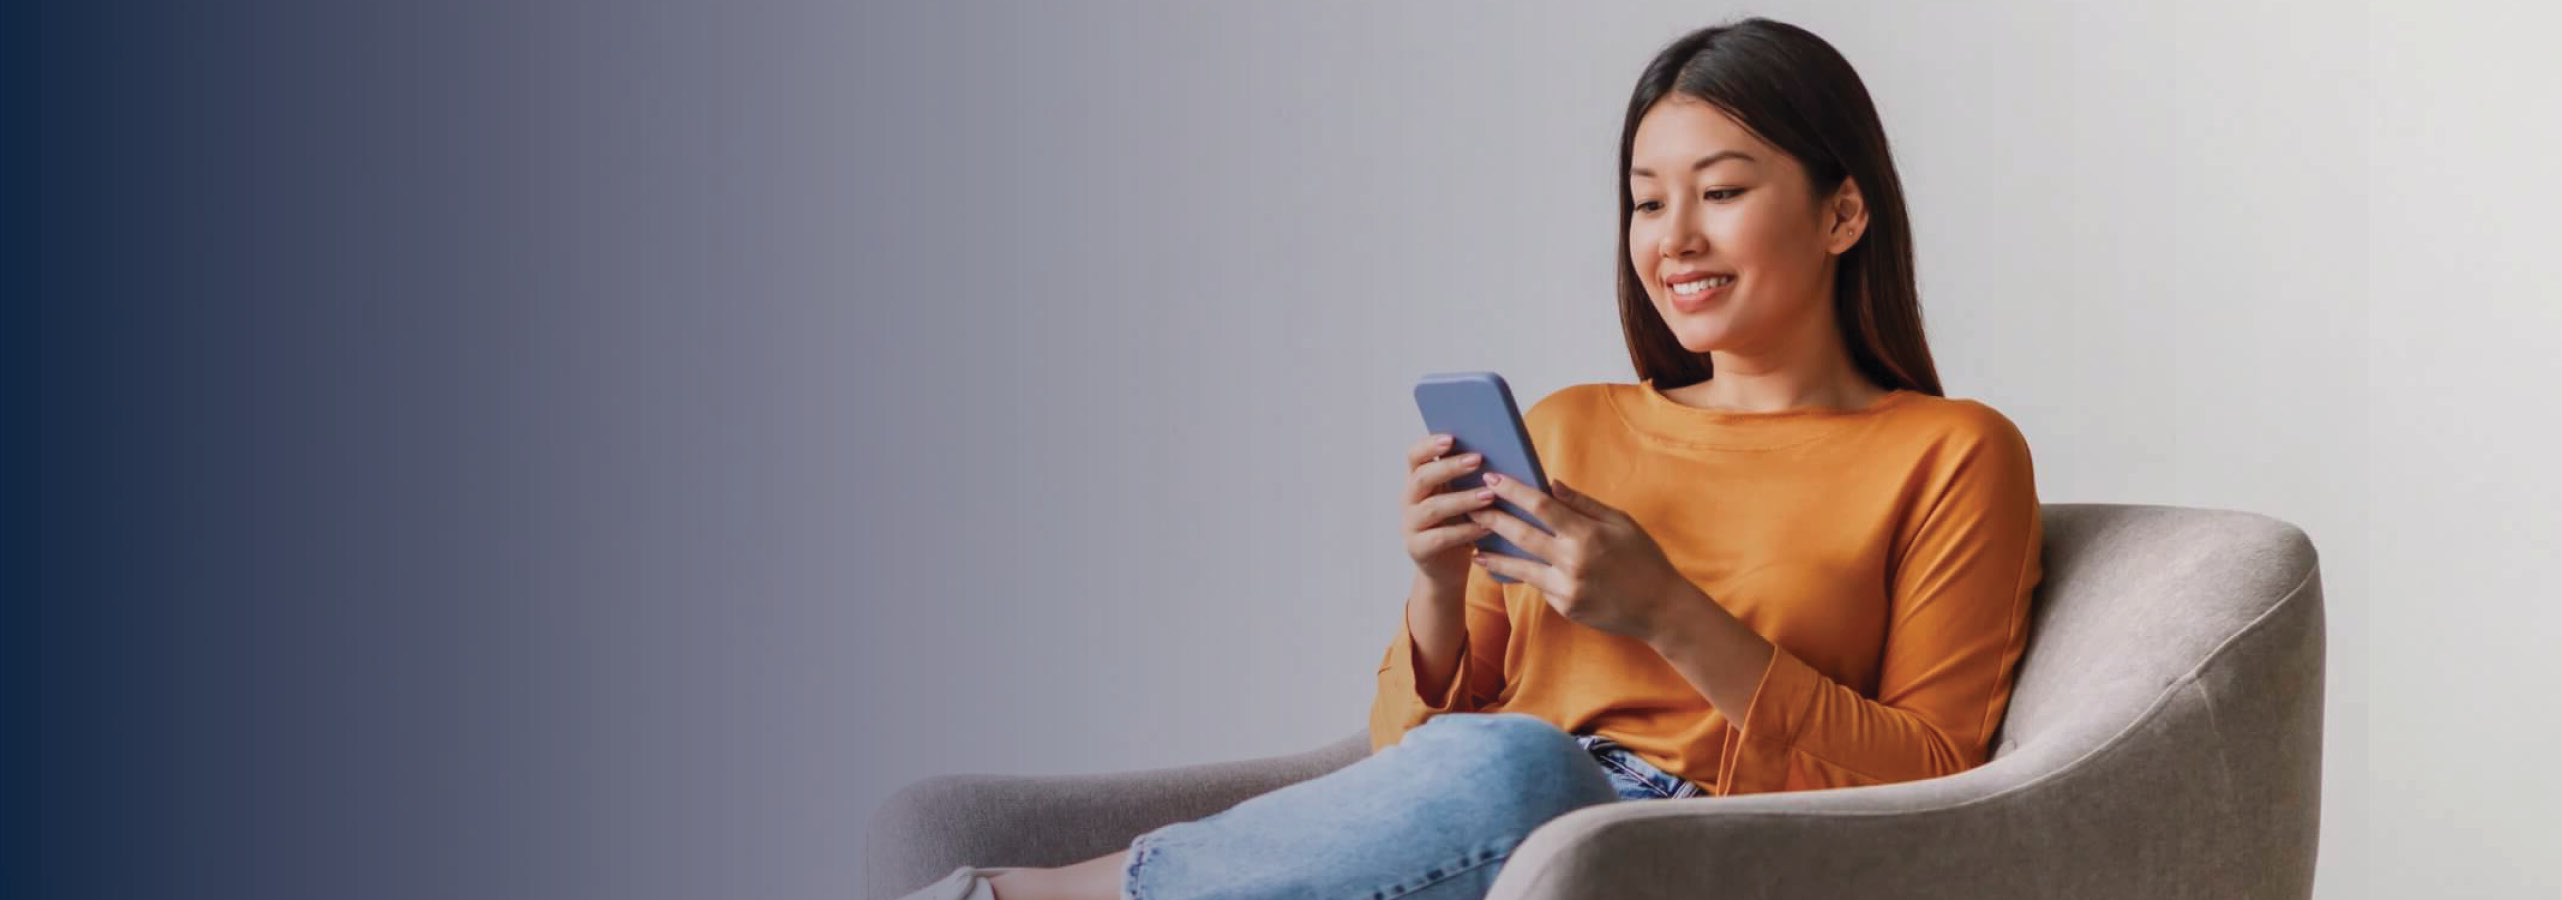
{"points": [[1846, 216]]}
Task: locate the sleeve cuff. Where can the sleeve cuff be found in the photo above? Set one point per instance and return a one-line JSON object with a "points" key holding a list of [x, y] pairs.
{"points": [[1758, 745], [1401, 705], [1449, 699]]}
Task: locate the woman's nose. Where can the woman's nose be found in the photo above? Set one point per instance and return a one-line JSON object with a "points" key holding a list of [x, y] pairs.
{"points": [[1682, 239]]}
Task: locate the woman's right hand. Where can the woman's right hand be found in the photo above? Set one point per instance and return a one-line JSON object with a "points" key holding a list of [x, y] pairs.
{"points": [[1439, 546]]}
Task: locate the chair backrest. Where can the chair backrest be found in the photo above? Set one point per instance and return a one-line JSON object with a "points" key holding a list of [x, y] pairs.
{"points": [[2137, 599], [2171, 692]]}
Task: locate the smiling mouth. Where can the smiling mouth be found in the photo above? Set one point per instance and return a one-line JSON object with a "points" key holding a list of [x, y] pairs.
{"points": [[1693, 294], [1700, 286]]}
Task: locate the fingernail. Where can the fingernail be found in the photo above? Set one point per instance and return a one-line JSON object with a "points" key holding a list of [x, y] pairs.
{"points": [[1444, 440], [1494, 478], [1485, 495]]}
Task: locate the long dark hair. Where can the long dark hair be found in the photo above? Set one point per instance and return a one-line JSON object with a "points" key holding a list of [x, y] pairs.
{"points": [[1796, 92]]}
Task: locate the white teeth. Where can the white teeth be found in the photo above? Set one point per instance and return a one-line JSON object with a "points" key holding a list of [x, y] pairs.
{"points": [[1703, 284]]}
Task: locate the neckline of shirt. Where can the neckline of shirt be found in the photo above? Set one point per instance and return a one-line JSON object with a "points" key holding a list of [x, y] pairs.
{"points": [[1645, 409]]}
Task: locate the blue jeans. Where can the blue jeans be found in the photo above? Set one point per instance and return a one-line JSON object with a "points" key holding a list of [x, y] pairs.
{"points": [[1431, 817], [1632, 776]]}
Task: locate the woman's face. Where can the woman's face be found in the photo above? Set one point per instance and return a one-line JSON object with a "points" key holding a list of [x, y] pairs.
{"points": [[1747, 215]]}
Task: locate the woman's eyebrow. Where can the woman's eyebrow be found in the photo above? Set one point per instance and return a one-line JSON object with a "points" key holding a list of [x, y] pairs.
{"points": [[1704, 162]]}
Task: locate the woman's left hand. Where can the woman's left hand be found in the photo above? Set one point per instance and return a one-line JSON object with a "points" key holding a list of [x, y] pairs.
{"points": [[1602, 569]]}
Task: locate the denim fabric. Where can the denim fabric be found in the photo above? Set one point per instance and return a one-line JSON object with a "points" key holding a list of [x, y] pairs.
{"points": [[1635, 778], [1433, 816]]}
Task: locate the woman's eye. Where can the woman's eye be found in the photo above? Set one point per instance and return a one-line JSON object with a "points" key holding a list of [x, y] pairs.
{"points": [[1719, 195]]}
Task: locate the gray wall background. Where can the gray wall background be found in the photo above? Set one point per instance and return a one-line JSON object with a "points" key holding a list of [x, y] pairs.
{"points": [[585, 449]]}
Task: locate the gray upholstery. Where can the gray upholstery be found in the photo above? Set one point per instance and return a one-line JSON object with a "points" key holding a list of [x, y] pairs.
{"points": [[2164, 739]]}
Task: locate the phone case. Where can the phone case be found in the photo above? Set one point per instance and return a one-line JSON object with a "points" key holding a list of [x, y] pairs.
{"points": [[1477, 410]]}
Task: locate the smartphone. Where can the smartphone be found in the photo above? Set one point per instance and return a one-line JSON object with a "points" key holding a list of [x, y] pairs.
{"points": [[1476, 410]]}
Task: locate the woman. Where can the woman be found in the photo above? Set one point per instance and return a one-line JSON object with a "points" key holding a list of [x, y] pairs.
{"points": [[1782, 560]]}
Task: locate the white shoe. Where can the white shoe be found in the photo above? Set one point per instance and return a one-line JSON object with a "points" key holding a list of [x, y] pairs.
{"points": [[965, 883]]}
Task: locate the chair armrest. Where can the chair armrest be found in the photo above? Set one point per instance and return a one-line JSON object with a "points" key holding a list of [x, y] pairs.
{"points": [[2139, 816], [1890, 840], [934, 825]]}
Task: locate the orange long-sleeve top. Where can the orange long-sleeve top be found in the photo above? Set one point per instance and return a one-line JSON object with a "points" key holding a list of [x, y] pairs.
{"points": [[1889, 553]]}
